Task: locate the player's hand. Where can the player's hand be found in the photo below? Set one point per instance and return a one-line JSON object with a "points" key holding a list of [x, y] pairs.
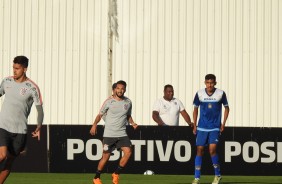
{"points": [[36, 133], [191, 125], [194, 130], [135, 126], [93, 130], [222, 128]]}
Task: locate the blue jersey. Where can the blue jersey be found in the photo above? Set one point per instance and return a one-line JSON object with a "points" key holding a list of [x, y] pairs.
{"points": [[210, 109]]}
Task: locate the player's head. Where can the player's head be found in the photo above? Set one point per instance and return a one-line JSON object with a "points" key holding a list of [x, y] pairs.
{"points": [[120, 88], [22, 60], [20, 66], [210, 82], [114, 86], [168, 92]]}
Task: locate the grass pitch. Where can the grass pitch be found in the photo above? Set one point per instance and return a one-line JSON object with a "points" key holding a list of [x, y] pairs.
{"points": [[56, 178]]}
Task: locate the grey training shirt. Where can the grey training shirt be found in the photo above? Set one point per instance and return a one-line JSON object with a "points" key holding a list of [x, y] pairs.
{"points": [[16, 107], [116, 118]]}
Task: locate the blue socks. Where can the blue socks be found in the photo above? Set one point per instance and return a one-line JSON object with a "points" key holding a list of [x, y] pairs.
{"points": [[215, 162], [198, 164]]}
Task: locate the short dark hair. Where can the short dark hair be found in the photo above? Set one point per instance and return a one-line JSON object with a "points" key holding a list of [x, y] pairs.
{"points": [[22, 60], [210, 77], [121, 82], [168, 86], [114, 86]]}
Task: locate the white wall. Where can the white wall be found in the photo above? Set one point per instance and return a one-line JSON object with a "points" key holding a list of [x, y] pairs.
{"points": [[179, 41], [66, 41], [160, 42]]}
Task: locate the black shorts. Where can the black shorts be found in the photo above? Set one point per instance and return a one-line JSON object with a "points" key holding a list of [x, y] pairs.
{"points": [[14, 142], [111, 143]]}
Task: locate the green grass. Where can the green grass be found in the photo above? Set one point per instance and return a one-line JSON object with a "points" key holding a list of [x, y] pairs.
{"points": [[53, 178]]}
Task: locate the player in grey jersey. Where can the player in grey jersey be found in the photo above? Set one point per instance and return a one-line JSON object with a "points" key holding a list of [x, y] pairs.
{"points": [[118, 111], [20, 93]]}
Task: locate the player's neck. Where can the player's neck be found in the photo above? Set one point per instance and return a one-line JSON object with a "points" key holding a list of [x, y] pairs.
{"points": [[118, 98], [21, 79]]}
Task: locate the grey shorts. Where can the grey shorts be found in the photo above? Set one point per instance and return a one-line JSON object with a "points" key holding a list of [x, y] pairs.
{"points": [[111, 143], [14, 142]]}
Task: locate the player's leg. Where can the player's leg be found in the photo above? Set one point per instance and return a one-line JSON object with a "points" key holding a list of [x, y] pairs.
{"points": [[213, 141], [5, 172], [15, 144], [124, 144], [108, 147], [201, 141]]}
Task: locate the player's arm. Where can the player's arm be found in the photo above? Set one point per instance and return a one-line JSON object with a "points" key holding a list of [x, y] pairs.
{"points": [[186, 117], [225, 116], [195, 117], [2, 91], [130, 120], [93, 129], [156, 117], [40, 117]]}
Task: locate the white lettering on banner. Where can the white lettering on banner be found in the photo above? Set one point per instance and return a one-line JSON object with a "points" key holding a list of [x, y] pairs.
{"points": [[150, 150], [71, 150], [115, 155], [88, 149], [279, 150], [164, 154], [246, 152], [137, 148], [177, 150], [268, 152], [228, 150], [234, 149], [251, 152]]}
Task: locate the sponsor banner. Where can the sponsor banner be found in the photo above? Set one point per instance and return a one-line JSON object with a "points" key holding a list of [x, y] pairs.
{"points": [[168, 150], [34, 158]]}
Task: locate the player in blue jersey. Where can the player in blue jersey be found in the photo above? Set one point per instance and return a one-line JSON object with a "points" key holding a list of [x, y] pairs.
{"points": [[210, 101]]}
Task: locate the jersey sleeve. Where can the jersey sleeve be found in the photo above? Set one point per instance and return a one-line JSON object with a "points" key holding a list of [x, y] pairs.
{"points": [[181, 106], [36, 95], [196, 101], [2, 91], [130, 109], [105, 107], [224, 99], [156, 106]]}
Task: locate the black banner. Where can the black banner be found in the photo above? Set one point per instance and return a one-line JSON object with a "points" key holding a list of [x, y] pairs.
{"points": [[168, 150], [34, 158]]}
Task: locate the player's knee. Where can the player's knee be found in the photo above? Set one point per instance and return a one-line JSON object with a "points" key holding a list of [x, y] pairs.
{"points": [[3, 156], [127, 152], [212, 152]]}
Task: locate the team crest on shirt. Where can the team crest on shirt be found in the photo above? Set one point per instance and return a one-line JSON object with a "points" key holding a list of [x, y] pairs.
{"points": [[106, 147], [209, 105], [175, 103], [125, 106], [23, 91]]}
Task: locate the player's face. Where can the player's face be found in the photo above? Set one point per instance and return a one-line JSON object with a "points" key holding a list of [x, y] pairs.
{"points": [[168, 93], [210, 85], [120, 90], [18, 70]]}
